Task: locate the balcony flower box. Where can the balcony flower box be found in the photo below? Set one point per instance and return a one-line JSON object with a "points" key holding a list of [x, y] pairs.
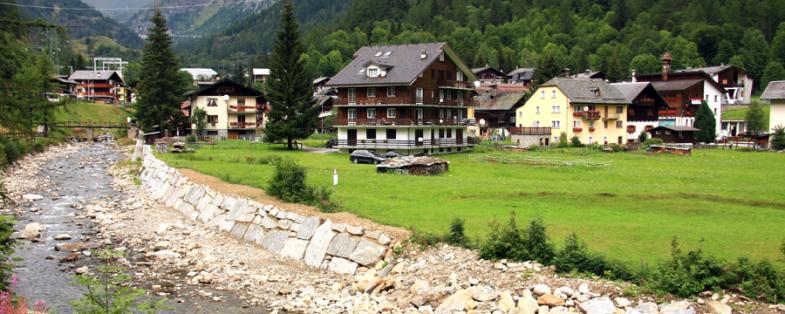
{"points": [[577, 129], [591, 129], [578, 114]]}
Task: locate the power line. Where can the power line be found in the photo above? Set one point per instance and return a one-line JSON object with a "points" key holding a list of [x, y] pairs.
{"points": [[123, 9]]}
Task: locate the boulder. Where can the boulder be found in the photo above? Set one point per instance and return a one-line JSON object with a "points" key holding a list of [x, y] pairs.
{"points": [[294, 248], [527, 304], [420, 287], [307, 227], [343, 245], [320, 241], [269, 223], [62, 237], [541, 289], [166, 254], [716, 307], [355, 230], [457, 302], [506, 303], [238, 229], [602, 305], [342, 266], [550, 300], [622, 302], [367, 252], [274, 241], [483, 293], [647, 308], [680, 307], [32, 197], [32, 231], [254, 234]]}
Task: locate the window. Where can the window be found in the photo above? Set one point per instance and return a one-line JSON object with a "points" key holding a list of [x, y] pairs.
{"points": [[448, 95], [441, 56], [212, 132], [352, 115], [460, 115], [391, 112], [619, 124], [441, 113], [371, 92], [605, 124], [715, 98], [391, 91], [715, 111], [555, 108], [591, 140], [441, 95], [448, 114], [577, 108], [576, 123], [459, 76], [241, 101], [419, 114], [459, 97], [212, 119], [538, 109], [370, 134], [371, 113], [542, 94], [706, 98], [449, 133], [352, 95], [373, 72], [390, 134], [536, 124], [619, 109], [555, 124], [212, 102], [419, 95], [520, 114], [553, 94]]}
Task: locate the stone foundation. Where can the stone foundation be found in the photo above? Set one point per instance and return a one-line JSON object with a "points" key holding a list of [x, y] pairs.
{"points": [[319, 243]]}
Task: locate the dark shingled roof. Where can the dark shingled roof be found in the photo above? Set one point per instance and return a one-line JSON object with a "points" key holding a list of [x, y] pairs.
{"points": [[525, 73], [675, 85], [678, 128], [630, 90], [582, 90], [498, 101], [90, 75], [774, 91], [208, 89], [711, 70], [403, 64]]}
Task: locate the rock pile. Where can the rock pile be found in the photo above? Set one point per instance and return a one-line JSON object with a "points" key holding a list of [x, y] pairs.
{"points": [[319, 243]]}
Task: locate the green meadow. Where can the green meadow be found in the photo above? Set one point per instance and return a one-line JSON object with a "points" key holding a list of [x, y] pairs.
{"points": [[627, 206]]}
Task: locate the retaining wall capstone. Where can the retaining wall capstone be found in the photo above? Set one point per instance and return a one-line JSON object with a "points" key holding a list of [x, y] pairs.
{"points": [[317, 242]]}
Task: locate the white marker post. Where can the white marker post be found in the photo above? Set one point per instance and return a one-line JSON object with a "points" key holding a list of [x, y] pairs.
{"points": [[335, 177]]}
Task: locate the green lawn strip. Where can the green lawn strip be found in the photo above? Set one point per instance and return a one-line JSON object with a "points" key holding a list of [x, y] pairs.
{"points": [[84, 111], [629, 209]]}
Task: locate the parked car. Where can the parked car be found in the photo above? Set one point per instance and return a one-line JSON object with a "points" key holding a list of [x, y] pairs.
{"points": [[365, 157], [391, 154], [331, 143]]}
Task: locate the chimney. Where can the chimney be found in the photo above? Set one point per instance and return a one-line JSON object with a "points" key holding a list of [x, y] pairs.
{"points": [[565, 72], [423, 54], [666, 65], [634, 74]]}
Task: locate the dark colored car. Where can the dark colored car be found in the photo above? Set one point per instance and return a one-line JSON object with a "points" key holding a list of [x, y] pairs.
{"points": [[365, 157], [391, 154]]}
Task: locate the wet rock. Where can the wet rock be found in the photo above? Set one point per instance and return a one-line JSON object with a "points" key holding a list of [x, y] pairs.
{"points": [[32, 197], [62, 237], [82, 270], [32, 231]]}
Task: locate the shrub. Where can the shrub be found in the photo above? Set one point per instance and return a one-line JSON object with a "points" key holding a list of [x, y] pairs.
{"points": [[652, 141], [576, 142], [456, 235], [778, 140], [643, 137], [190, 139], [288, 182], [575, 257], [423, 239], [536, 244], [6, 247], [13, 150], [688, 274], [3, 160], [268, 160], [757, 280], [503, 241], [563, 140], [616, 147]]}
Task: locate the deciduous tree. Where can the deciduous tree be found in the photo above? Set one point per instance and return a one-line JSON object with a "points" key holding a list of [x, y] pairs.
{"points": [[754, 117]]}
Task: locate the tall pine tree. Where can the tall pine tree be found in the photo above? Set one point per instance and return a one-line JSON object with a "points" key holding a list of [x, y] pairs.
{"points": [[754, 117], [160, 86], [289, 87], [706, 124]]}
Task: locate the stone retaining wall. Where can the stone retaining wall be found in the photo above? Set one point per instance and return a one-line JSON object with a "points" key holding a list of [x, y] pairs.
{"points": [[319, 243]]}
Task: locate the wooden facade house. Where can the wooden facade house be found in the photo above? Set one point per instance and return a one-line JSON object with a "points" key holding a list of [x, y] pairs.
{"points": [[645, 106], [676, 134], [407, 98], [496, 106], [105, 86], [488, 75], [233, 110], [521, 76], [735, 81]]}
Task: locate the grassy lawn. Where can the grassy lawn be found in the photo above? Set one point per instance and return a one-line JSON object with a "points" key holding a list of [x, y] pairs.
{"points": [[317, 140], [86, 111], [629, 209]]}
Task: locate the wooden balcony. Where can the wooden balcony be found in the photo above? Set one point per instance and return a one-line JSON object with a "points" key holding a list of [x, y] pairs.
{"points": [[455, 85], [674, 113], [242, 125], [530, 131], [404, 144], [577, 130], [239, 108], [400, 122], [401, 101], [591, 115]]}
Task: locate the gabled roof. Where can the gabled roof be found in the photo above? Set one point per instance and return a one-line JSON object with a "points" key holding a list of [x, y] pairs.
{"points": [[261, 71], [675, 85], [589, 74], [486, 68], [580, 90], [714, 69], [774, 91], [405, 61], [526, 73], [98, 75], [678, 76], [200, 72], [321, 79], [498, 101], [211, 90], [633, 90], [64, 80]]}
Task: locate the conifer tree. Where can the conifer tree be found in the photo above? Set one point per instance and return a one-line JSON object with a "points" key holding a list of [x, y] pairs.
{"points": [[754, 117], [289, 87], [705, 122], [160, 85]]}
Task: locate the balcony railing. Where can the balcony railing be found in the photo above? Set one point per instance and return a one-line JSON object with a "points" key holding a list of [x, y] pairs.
{"points": [[398, 100], [455, 84], [242, 125], [674, 113], [591, 115], [382, 143], [530, 131], [239, 108], [404, 121], [576, 130]]}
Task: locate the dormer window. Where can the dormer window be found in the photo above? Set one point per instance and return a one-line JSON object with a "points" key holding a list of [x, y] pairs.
{"points": [[595, 91], [373, 72], [459, 76], [441, 56]]}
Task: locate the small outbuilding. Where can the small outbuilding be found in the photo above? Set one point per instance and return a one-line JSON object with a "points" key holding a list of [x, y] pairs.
{"points": [[674, 133], [420, 165]]}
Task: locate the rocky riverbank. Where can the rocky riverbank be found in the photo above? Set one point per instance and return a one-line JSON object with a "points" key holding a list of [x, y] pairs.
{"points": [[193, 263]]}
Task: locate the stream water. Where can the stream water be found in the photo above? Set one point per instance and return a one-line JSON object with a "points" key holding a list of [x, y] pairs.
{"points": [[80, 177]]}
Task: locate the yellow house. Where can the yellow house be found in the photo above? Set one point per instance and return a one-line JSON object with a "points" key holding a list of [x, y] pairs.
{"points": [[590, 109], [233, 111], [775, 93]]}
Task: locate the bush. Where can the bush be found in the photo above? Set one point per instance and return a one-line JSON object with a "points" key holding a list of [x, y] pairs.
{"points": [[3, 160], [756, 280], [575, 257], [563, 140], [13, 150], [288, 184], [576, 142], [652, 141], [536, 244], [778, 140], [510, 242], [190, 139], [456, 235], [688, 274], [643, 137], [616, 147], [6, 248]]}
